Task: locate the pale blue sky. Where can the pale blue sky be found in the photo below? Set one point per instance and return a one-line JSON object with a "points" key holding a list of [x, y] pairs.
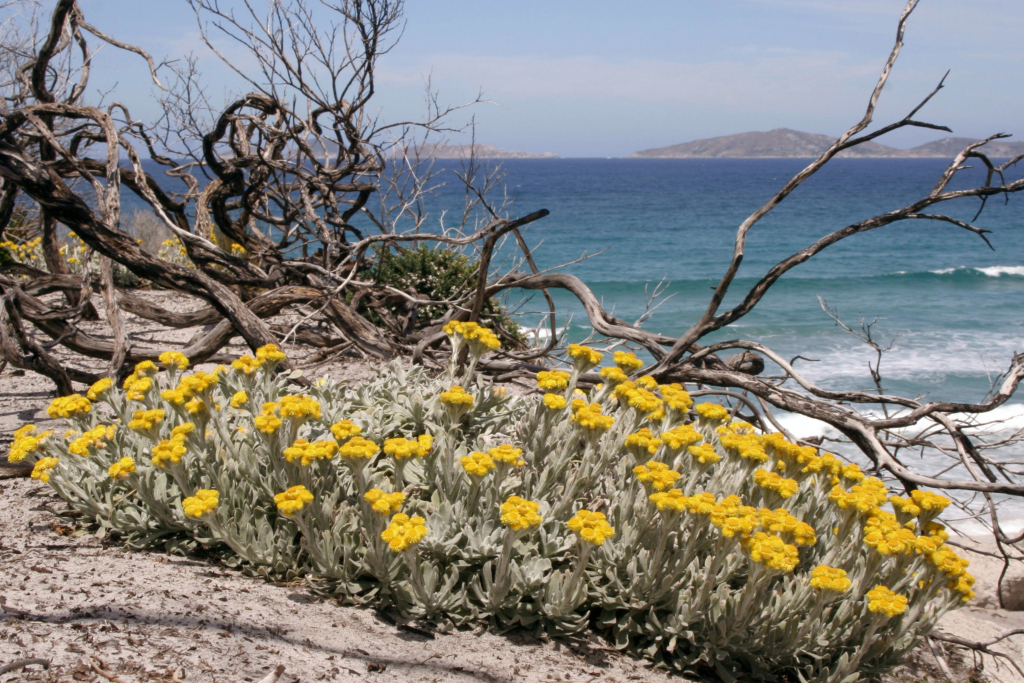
{"points": [[604, 78]]}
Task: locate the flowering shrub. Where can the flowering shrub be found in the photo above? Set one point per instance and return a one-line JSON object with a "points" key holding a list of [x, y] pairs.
{"points": [[679, 534]]}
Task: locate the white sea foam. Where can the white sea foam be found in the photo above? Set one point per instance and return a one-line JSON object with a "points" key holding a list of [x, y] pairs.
{"points": [[945, 271], [997, 271]]}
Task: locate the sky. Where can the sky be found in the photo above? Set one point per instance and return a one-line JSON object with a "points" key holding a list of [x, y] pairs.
{"points": [[599, 78]]}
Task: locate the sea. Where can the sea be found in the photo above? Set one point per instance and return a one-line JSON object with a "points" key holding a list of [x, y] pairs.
{"points": [[947, 307]]}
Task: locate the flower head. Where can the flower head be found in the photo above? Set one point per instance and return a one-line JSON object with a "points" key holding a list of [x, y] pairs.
{"points": [[657, 475], [69, 406], [294, 499], [584, 357], [306, 452], [169, 450], [589, 417], [705, 454], [642, 442], [592, 527], [681, 436], [520, 514], [614, 375], [553, 380], [145, 420], [507, 454], [267, 421], [270, 354], [122, 468], [247, 364], [41, 470], [627, 361], [384, 503], [712, 412], [203, 503], [98, 389], [457, 399], [477, 464], [404, 532], [174, 359], [26, 440], [345, 429], [299, 407], [93, 439], [881, 600], [358, 448], [772, 552], [672, 500], [239, 399], [773, 481], [824, 577]]}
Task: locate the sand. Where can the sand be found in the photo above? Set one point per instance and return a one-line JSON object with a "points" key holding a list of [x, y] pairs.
{"points": [[98, 612]]}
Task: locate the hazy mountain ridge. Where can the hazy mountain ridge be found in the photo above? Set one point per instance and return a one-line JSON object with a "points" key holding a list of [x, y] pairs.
{"points": [[439, 151], [784, 143]]}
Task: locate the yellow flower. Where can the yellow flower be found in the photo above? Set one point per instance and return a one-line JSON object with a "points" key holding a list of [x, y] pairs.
{"points": [[402, 448], [930, 502], [293, 500], [905, 506], [520, 514], [143, 420], [174, 358], [122, 468], [592, 527], [676, 398], [270, 354], [712, 412], [584, 357], [268, 421], [780, 521], [195, 406], [643, 441], [705, 454], [146, 367], [136, 386], [92, 439], [772, 552], [507, 454], [480, 339], [742, 443], [247, 364], [239, 399], [169, 450], [774, 482], [554, 401], [42, 468], [552, 380], [614, 375], [657, 474], [590, 417], [97, 390], [345, 430], [853, 473], [69, 406], [881, 600], [358, 447], [384, 503], [456, 397], [477, 464], [204, 502], [26, 441], [299, 407], [627, 361], [962, 585], [678, 437], [404, 532], [307, 452], [730, 515], [672, 500], [824, 577]]}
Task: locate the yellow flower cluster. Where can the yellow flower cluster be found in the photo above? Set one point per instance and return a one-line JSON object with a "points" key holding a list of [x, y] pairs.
{"points": [[198, 384], [884, 533], [204, 502], [384, 503], [554, 402], [92, 439], [294, 499], [881, 600], [552, 380], [614, 375], [592, 527], [477, 464], [26, 441], [479, 338], [69, 406], [267, 421], [627, 361], [712, 412], [122, 468], [41, 470], [705, 454], [402, 448], [98, 389], [173, 359], [358, 447], [590, 417], [863, 497], [456, 397], [270, 354], [642, 442], [824, 577], [247, 364], [778, 445], [520, 514], [930, 502], [345, 429], [144, 420], [239, 399], [771, 551], [781, 522], [584, 357], [169, 450], [404, 532], [657, 475], [672, 500], [737, 438], [773, 481], [676, 398], [307, 452], [25, 252], [730, 515], [299, 407], [507, 454], [643, 400], [852, 472], [647, 382], [678, 437]]}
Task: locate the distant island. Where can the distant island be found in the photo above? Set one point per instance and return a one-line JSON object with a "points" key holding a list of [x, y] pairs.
{"points": [[783, 143], [438, 151]]}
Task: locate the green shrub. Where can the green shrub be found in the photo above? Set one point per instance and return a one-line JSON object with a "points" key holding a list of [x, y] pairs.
{"points": [[678, 534]]}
